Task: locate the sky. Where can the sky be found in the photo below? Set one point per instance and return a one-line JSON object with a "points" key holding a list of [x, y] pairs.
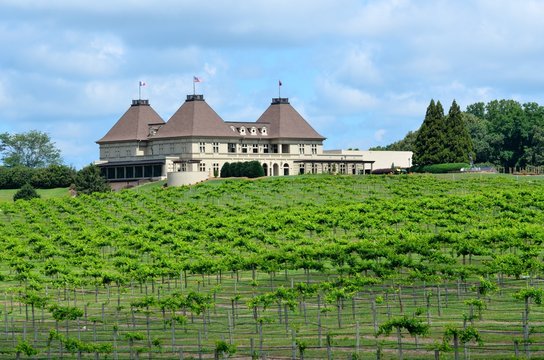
{"points": [[361, 72]]}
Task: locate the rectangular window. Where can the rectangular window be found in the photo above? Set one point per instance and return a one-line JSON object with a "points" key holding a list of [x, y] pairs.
{"points": [[232, 148], [255, 148], [265, 148], [202, 147], [172, 148], [202, 167], [244, 148], [128, 153], [130, 172], [120, 173], [111, 173], [314, 149], [301, 149], [215, 147], [157, 170], [215, 169], [139, 172], [148, 171], [285, 148], [342, 168], [275, 148]]}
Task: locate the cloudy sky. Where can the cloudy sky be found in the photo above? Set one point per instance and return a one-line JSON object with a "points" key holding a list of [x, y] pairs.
{"points": [[361, 72]]}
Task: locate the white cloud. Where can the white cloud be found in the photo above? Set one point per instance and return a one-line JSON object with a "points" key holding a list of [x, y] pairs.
{"points": [[379, 134], [346, 99], [98, 56], [356, 65]]}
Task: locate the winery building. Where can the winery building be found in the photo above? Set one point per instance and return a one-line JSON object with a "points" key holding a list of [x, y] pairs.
{"points": [[195, 142]]}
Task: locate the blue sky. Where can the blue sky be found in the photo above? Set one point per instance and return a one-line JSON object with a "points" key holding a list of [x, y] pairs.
{"points": [[361, 72]]}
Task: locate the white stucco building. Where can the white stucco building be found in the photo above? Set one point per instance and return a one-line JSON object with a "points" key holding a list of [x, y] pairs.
{"points": [[195, 142]]}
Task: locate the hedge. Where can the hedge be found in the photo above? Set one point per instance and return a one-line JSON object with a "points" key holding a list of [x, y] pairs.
{"points": [[250, 169], [440, 168], [53, 176]]}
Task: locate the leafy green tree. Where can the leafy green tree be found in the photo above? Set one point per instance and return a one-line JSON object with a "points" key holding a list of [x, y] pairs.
{"points": [[507, 123], [26, 192], [478, 128], [429, 145], [90, 180], [32, 149], [476, 109]]}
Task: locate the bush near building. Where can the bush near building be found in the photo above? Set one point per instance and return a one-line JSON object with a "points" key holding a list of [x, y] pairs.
{"points": [[250, 169]]}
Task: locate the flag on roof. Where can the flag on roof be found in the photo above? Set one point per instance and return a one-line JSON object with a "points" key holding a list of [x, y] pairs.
{"points": [[143, 83], [196, 79], [279, 83]]}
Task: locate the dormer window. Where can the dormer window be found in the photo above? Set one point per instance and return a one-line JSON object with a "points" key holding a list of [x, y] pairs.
{"points": [[233, 128], [242, 130], [253, 131], [263, 131]]}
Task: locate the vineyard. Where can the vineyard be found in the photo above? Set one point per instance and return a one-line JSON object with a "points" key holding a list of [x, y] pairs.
{"points": [[315, 267]]}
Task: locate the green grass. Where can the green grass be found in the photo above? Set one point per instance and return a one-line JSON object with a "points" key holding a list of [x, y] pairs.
{"points": [[6, 195]]}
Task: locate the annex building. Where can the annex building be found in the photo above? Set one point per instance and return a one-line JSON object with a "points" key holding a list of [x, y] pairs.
{"points": [[195, 142]]}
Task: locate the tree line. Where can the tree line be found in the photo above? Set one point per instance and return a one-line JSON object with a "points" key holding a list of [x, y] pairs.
{"points": [[32, 160], [502, 132]]}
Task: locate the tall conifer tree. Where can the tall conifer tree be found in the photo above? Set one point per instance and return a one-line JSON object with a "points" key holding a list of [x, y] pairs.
{"points": [[429, 145], [458, 141]]}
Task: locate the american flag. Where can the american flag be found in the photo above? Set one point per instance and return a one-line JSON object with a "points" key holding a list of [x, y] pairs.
{"points": [[196, 79]]}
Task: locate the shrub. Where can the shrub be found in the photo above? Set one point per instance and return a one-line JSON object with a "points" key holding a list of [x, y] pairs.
{"points": [[90, 180], [250, 169], [50, 177], [225, 170], [440, 168], [26, 192]]}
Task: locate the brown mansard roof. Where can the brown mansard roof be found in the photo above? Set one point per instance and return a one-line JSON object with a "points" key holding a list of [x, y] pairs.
{"points": [[134, 124], [195, 118], [283, 121]]}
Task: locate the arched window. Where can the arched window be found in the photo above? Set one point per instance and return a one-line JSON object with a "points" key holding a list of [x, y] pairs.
{"points": [[285, 169], [264, 131], [253, 131], [243, 130]]}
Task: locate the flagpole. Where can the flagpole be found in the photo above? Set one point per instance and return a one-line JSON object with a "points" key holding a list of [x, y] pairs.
{"points": [[140, 90], [194, 91], [279, 89]]}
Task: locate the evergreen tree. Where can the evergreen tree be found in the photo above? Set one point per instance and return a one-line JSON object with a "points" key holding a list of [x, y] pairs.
{"points": [[458, 144], [26, 192], [90, 180], [254, 169], [429, 144], [225, 170]]}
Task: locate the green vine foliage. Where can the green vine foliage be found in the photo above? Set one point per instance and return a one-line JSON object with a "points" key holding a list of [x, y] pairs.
{"points": [[413, 325], [536, 295]]}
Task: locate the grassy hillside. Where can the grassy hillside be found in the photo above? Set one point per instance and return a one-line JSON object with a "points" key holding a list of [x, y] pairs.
{"points": [[310, 266], [7, 195]]}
